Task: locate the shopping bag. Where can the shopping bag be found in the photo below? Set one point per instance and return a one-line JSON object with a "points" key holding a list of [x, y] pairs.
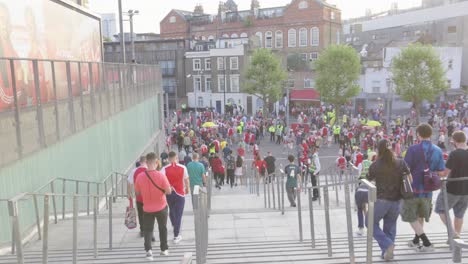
{"points": [[130, 216]]}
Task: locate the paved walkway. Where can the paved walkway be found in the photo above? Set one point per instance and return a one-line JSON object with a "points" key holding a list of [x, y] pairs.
{"points": [[241, 231]]}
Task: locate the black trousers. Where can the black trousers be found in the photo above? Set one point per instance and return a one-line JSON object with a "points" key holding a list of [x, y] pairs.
{"points": [[272, 136], [230, 177], [148, 227], [313, 178], [337, 138], [140, 214]]}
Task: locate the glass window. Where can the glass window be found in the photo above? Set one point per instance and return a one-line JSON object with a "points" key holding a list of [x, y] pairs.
{"points": [[313, 56], [200, 101], [199, 47], [234, 63], [221, 83], [332, 15], [197, 83], [234, 35], [303, 56], [307, 83], [452, 29], [243, 35], [207, 64], [315, 36], [208, 84], [260, 36], [234, 84], [220, 63], [292, 38], [302, 37], [279, 39], [172, 19], [303, 5], [211, 38], [269, 39], [196, 65], [376, 86], [338, 37]]}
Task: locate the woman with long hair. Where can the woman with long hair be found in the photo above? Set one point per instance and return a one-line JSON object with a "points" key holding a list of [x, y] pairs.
{"points": [[387, 172]]}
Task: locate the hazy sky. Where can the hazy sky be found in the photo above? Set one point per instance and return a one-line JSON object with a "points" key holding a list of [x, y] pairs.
{"points": [[153, 11]]}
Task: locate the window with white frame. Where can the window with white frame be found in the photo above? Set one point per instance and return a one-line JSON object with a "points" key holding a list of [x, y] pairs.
{"points": [[279, 39], [303, 5], [211, 38], [208, 84], [197, 83], [208, 64], [450, 64], [313, 56], [269, 39], [234, 83], [315, 36], [196, 64], [234, 63], [303, 56], [221, 83], [172, 19], [376, 86], [332, 15], [308, 83], [220, 63], [302, 37], [292, 38], [243, 35], [260, 37], [200, 101], [234, 35], [199, 48]]}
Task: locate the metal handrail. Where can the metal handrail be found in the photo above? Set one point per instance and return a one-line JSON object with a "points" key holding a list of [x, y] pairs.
{"points": [[347, 182], [113, 192], [14, 215], [455, 244], [200, 209]]}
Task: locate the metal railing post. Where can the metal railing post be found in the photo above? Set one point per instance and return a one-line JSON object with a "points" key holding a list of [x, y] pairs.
{"points": [[282, 194], [278, 189], [13, 210], [95, 222], [327, 220], [257, 179], [349, 223], [39, 111], [311, 215], [75, 229], [105, 193], [272, 185], [264, 192], [197, 218], [38, 217], [299, 212], [372, 197], [45, 241], [64, 188], [19, 141], [54, 206], [88, 198], [110, 222]]}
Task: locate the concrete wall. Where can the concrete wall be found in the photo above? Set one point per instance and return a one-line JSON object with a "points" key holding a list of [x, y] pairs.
{"points": [[92, 154]]}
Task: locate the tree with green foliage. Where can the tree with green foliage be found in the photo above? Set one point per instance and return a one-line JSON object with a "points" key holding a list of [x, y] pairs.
{"points": [[418, 75], [297, 63], [338, 68], [264, 76]]}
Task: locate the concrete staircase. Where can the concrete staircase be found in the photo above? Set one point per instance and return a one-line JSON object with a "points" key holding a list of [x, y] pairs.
{"points": [[241, 231]]}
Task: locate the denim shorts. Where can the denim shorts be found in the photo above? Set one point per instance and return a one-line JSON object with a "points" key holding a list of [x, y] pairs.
{"points": [[361, 198], [459, 203], [415, 208]]}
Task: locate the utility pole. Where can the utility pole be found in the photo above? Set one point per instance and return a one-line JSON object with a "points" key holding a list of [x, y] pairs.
{"points": [[122, 40], [389, 101], [225, 85], [130, 14]]}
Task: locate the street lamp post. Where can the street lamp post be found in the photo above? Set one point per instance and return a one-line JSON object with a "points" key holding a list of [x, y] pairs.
{"points": [[389, 102], [130, 14], [122, 40]]}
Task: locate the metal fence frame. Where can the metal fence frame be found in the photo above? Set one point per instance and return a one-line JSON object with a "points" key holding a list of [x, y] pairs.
{"points": [[95, 92]]}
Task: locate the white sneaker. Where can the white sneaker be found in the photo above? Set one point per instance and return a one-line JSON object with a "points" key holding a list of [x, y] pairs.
{"points": [[412, 245], [425, 249], [165, 253], [177, 239], [360, 232], [149, 255]]}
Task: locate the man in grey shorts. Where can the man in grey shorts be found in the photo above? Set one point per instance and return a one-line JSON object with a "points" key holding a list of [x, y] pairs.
{"points": [[457, 192]]}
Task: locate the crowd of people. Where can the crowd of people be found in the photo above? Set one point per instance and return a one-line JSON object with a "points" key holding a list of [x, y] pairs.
{"points": [[206, 141]]}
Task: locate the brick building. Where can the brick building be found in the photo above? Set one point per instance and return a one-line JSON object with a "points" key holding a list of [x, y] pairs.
{"points": [[302, 28]]}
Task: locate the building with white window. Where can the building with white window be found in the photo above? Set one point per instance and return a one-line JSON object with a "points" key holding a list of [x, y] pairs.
{"points": [[214, 78]]}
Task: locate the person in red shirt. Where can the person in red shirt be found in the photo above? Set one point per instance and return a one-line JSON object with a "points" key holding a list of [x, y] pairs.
{"points": [[153, 187], [178, 177], [260, 165], [204, 150], [359, 158], [132, 178], [218, 170]]}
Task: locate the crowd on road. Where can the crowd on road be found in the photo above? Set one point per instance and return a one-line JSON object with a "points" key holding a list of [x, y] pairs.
{"points": [[230, 145]]}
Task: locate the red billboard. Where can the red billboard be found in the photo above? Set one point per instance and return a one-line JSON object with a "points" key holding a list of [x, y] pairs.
{"points": [[45, 29]]}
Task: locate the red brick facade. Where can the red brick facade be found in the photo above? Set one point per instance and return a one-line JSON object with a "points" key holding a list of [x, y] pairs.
{"points": [[316, 14]]}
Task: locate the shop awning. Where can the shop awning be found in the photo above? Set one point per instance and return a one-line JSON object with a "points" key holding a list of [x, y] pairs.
{"points": [[306, 95]]}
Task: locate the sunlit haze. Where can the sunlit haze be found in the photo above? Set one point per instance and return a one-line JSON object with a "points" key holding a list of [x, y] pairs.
{"points": [[153, 11]]}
